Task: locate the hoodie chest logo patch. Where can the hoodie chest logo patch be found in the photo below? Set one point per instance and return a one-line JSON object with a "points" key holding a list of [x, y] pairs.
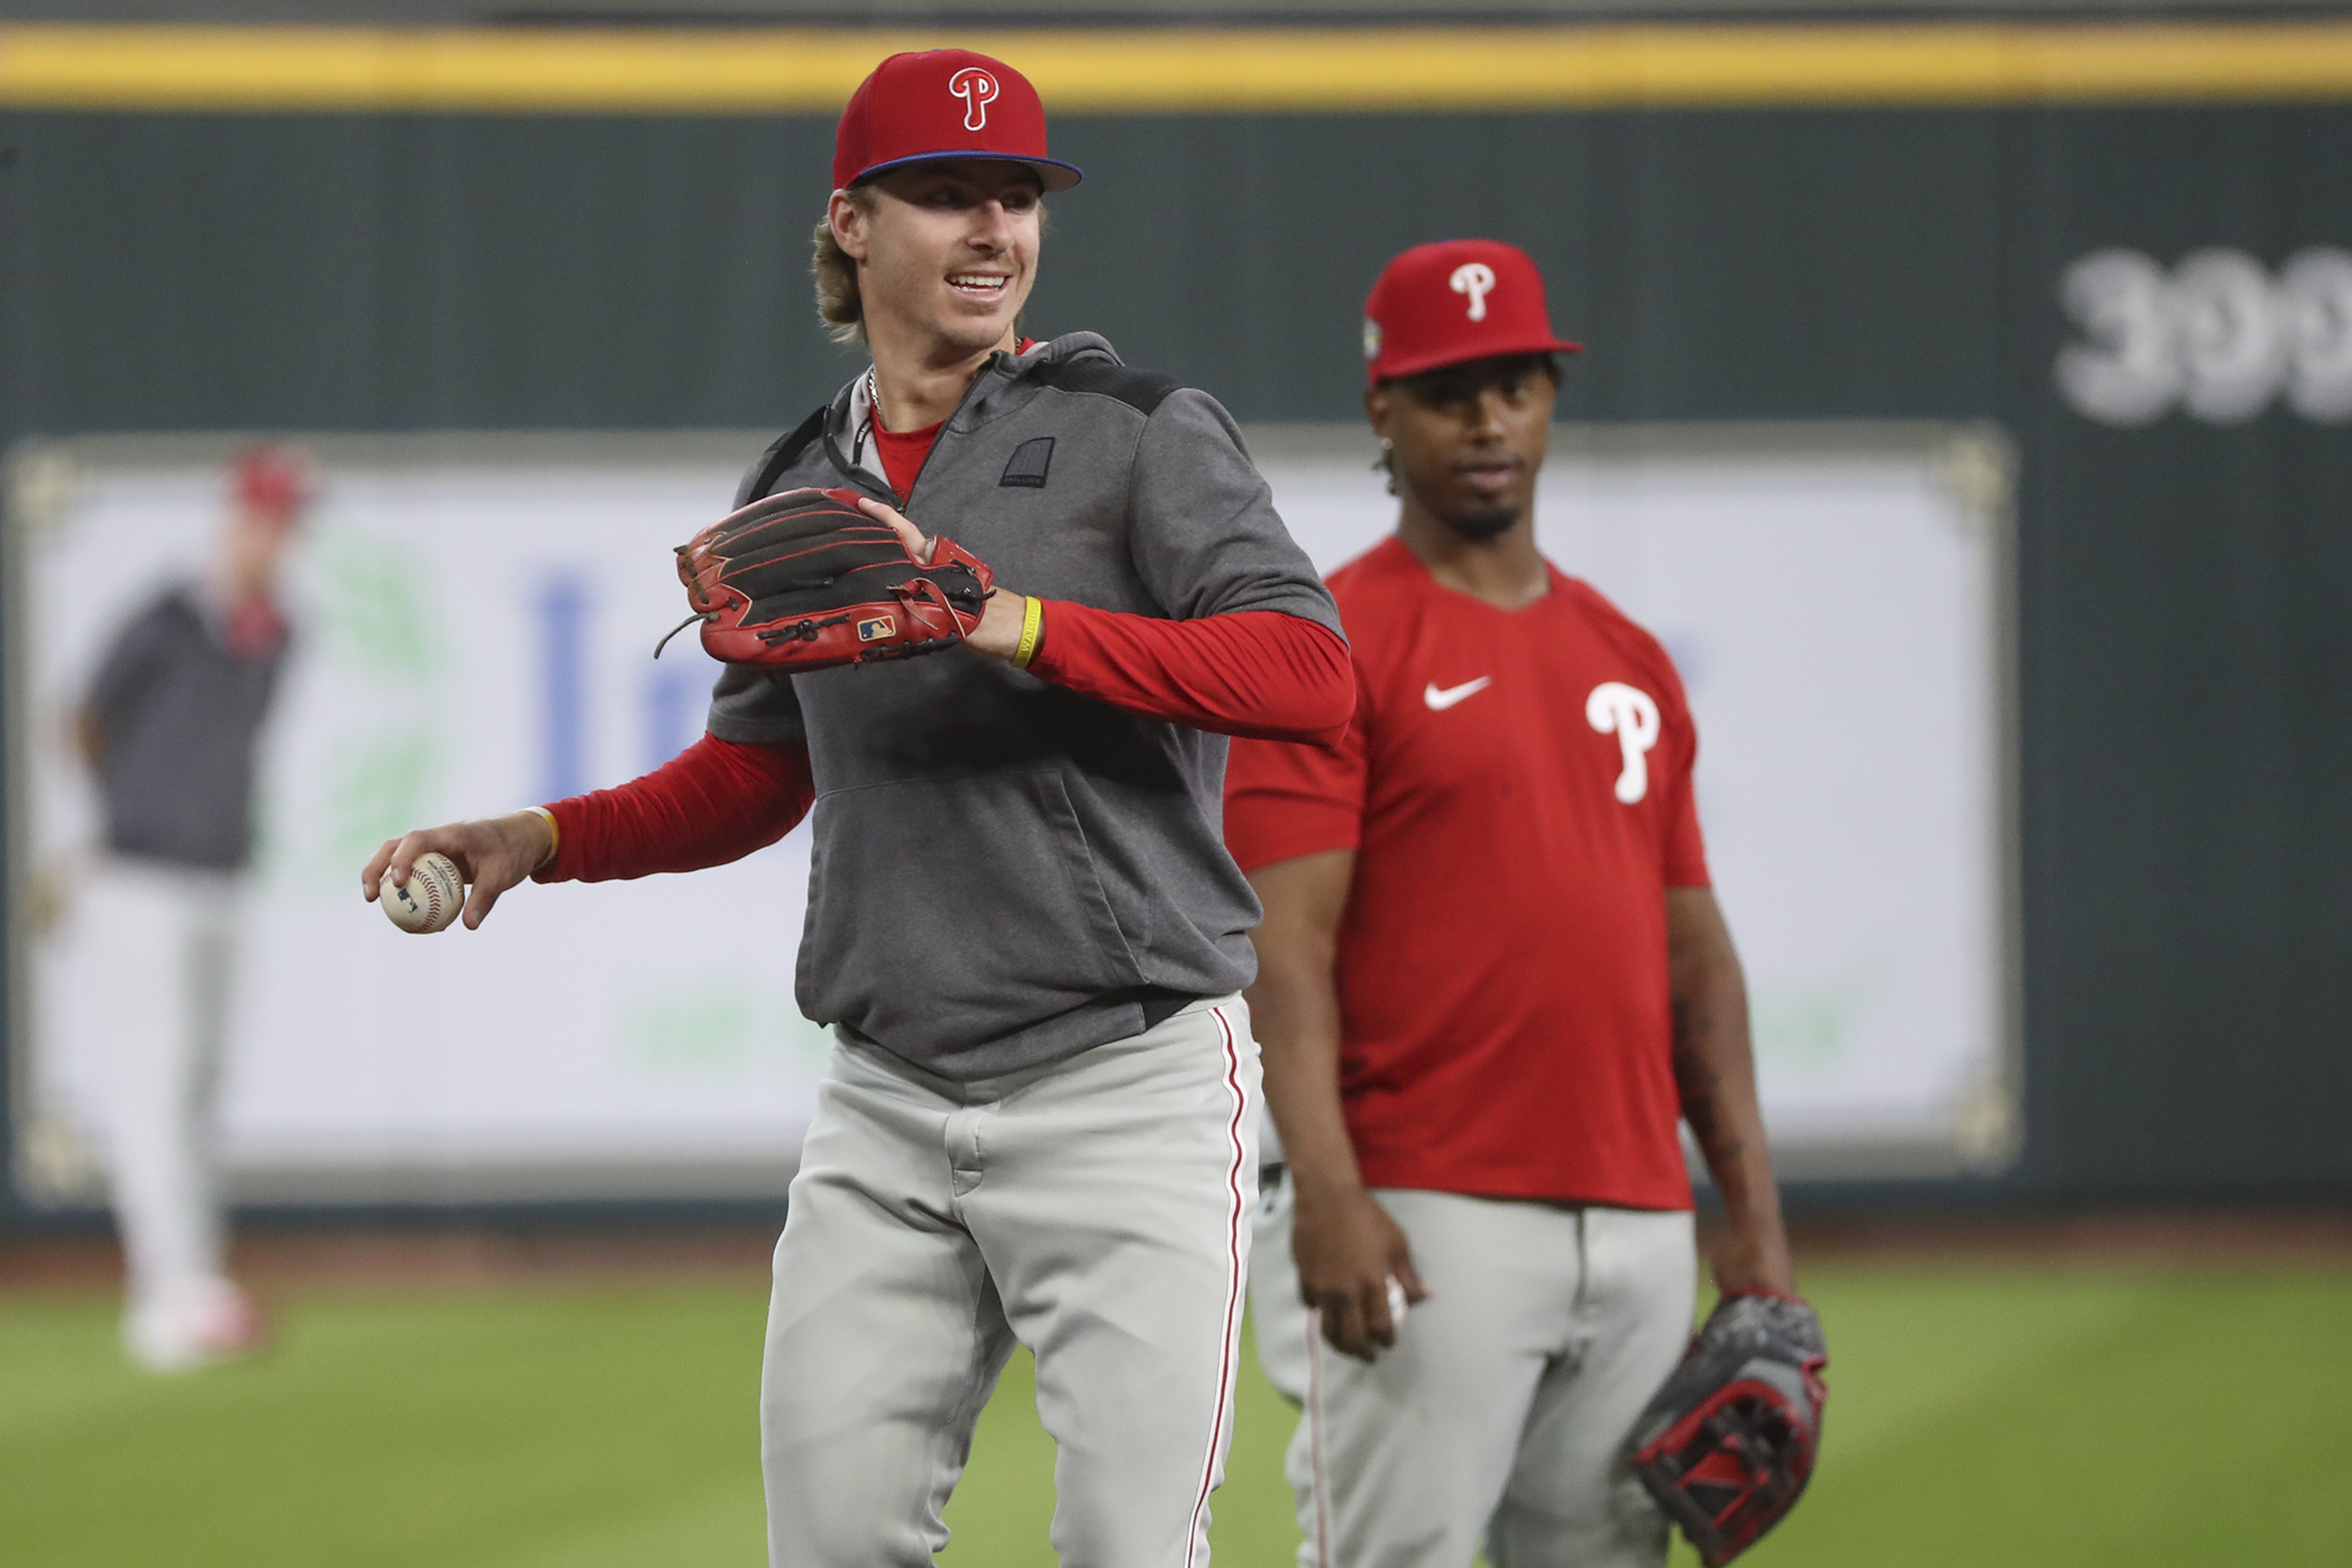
{"points": [[1026, 468]]}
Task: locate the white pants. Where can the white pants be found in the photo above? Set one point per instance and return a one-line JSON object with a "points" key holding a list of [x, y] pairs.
{"points": [[1499, 1417], [1097, 1212], [161, 945]]}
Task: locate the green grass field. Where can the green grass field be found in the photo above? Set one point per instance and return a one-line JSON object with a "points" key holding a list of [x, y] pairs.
{"points": [[1979, 1416]]}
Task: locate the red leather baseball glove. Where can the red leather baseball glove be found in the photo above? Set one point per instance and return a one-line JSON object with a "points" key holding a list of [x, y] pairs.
{"points": [[805, 580]]}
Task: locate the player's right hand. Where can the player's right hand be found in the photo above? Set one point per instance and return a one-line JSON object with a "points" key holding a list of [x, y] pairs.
{"points": [[493, 853], [998, 633], [1348, 1249]]}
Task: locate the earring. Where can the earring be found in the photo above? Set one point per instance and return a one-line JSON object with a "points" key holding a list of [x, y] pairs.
{"points": [[1384, 464]]}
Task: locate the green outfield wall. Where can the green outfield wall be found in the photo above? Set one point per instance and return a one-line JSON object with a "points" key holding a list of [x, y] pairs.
{"points": [[2185, 545]]}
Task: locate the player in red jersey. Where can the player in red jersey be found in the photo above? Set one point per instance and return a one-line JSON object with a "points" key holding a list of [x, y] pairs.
{"points": [[1492, 978]]}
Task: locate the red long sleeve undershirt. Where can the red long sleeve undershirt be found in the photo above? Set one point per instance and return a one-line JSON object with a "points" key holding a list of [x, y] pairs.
{"points": [[715, 801], [1257, 672]]}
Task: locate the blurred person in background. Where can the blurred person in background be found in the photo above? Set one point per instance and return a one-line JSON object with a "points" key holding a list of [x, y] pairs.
{"points": [[169, 727], [1492, 977]]}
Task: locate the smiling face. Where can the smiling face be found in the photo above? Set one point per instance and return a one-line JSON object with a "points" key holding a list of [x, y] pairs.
{"points": [[947, 253], [1466, 440]]}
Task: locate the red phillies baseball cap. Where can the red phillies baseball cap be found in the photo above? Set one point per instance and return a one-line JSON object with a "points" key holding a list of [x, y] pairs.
{"points": [[1455, 301], [938, 104], [274, 481]]}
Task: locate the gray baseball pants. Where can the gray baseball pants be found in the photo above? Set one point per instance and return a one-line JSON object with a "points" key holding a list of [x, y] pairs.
{"points": [[1095, 1211], [1499, 1417], [162, 940]]}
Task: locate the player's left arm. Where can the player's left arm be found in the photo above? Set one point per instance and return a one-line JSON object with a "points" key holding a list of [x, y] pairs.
{"points": [[1715, 1069], [1250, 643], [1266, 673]]}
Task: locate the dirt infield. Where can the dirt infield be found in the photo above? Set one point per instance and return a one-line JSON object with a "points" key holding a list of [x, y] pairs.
{"points": [[442, 1256]]}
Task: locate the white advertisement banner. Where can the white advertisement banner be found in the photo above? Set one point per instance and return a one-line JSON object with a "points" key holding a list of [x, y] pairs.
{"points": [[473, 625]]}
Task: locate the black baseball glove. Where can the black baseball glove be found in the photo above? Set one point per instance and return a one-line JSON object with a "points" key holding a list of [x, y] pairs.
{"points": [[1728, 1443]]}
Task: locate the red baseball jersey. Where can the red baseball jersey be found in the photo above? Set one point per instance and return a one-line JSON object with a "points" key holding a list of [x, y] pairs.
{"points": [[1517, 788]]}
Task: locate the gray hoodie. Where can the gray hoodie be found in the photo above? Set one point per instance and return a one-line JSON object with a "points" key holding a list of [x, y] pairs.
{"points": [[1006, 872]]}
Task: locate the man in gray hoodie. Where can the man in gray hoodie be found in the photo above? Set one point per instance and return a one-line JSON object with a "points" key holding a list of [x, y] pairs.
{"points": [[1040, 1123]]}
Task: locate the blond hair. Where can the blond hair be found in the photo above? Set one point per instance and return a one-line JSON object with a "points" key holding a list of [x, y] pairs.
{"points": [[839, 305]]}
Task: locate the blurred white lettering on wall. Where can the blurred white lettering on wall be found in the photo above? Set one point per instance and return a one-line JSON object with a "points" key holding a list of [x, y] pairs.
{"points": [[2217, 336]]}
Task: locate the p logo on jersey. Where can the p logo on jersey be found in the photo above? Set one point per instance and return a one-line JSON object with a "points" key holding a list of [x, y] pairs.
{"points": [[1629, 714], [978, 89]]}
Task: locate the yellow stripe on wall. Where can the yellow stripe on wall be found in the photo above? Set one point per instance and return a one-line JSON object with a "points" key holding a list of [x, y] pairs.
{"points": [[1118, 71]]}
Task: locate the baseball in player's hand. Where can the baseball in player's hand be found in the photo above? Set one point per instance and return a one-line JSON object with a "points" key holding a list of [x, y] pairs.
{"points": [[998, 633], [494, 853], [1354, 1265]]}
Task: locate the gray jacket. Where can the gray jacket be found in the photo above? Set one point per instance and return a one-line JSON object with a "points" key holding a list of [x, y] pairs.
{"points": [[1006, 872]]}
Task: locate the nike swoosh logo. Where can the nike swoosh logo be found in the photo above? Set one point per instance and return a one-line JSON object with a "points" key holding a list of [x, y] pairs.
{"points": [[1441, 698]]}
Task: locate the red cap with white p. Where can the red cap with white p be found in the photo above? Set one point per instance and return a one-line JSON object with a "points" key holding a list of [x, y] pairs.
{"points": [[271, 481], [1455, 301], [938, 104]]}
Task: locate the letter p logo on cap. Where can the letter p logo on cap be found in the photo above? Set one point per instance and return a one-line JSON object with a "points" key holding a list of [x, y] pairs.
{"points": [[978, 89], [1476, 279], [1453, 302], [942, 106]]}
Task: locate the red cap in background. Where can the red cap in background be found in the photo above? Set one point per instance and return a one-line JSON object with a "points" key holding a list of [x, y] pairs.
{"points": [[938, 104], [274, 481], [1455, 301]]}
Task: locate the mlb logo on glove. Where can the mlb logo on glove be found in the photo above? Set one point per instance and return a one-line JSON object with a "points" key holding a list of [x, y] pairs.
{"points": [[804, 581]]}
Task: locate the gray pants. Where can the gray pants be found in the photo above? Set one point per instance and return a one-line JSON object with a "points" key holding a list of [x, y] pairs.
{"points": [[162, 941], [1098, 1211], [1499, 1417]]}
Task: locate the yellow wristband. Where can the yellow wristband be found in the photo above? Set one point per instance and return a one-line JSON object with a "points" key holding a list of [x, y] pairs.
{"points": [[1033, 626], [554, 836]]}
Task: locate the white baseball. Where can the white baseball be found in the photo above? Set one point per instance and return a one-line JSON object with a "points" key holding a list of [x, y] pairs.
{"points": [[434, 895]]}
